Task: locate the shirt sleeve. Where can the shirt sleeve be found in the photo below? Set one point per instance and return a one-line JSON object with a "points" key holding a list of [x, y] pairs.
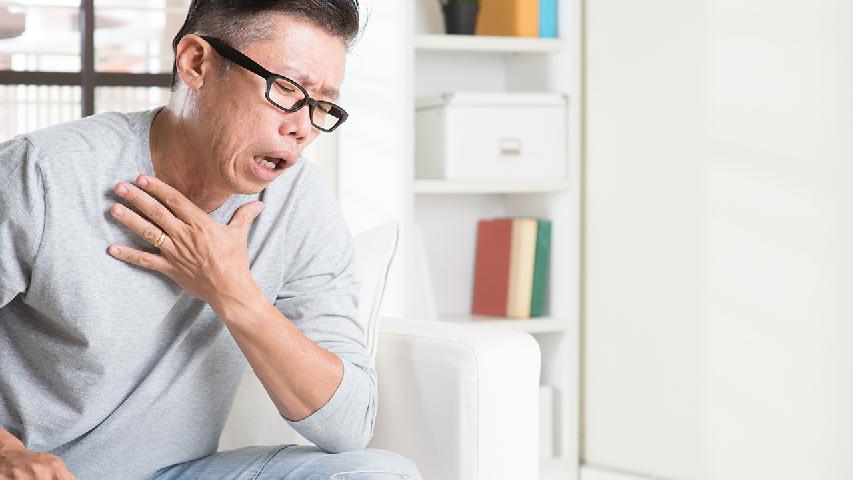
{"points": [[21, 216], [321, 298]]}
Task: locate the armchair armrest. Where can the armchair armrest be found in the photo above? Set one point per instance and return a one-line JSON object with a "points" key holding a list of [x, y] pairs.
{"points": [[460, 400]]}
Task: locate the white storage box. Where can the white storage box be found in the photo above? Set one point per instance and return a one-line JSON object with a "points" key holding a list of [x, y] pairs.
{"points": [[474, 136]]}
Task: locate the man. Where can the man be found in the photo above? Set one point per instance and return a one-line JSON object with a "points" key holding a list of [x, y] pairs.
{"points": [[130, 304]]}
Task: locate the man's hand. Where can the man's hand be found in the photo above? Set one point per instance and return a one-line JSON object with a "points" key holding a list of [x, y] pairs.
{"points": [[18, 463], [207, 259]]}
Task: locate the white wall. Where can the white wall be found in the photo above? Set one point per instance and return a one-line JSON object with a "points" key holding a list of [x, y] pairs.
{"points": [[718, 335], [323, 152], [371, 145]]}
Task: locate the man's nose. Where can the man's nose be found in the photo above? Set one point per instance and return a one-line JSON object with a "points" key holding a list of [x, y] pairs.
{"points": [[297, 124]]}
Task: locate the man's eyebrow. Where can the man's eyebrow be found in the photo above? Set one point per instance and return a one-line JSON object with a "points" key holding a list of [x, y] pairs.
{"points": [[330, 93], [303, 79]]}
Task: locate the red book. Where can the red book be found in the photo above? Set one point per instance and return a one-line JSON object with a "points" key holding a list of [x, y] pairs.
{"points": [[491, 270]]}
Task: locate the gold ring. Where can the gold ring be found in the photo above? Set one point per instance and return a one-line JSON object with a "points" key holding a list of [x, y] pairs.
{"points": [[160, 240]]}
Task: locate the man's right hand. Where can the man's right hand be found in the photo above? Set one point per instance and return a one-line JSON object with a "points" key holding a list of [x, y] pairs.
{"points": [[18, 463]]}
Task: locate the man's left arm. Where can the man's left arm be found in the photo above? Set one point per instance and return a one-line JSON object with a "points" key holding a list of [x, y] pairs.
{"points": [[307, 348]]}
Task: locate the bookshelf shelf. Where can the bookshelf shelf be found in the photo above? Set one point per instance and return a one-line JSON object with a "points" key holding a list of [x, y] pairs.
{"points": [[529, 325], [475, 43], [442, 215], [435, 187]]}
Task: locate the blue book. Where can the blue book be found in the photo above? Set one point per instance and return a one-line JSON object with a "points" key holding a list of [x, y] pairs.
{"points": [[548, 18]]}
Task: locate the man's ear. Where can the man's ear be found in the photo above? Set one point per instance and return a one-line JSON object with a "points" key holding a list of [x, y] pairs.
{"points": [[193, 58]]}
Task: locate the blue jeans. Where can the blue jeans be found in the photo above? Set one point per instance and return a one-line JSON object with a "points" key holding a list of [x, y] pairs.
{"points": [[293, 462]]}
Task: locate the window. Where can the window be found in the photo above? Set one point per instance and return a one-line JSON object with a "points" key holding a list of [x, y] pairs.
{"points": [[64, 59]]}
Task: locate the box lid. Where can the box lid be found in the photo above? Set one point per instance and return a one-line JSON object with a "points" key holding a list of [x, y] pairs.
{"points": [[491, 99]]}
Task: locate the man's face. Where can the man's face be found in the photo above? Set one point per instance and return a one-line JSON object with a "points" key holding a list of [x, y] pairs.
{"points": [[243, 127]]}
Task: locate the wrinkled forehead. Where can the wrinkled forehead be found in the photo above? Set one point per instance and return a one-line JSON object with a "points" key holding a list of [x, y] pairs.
{"points": [[303, 52]]}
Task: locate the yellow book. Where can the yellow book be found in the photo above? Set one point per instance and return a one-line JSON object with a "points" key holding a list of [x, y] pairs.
{"points": [[513, 18], [521, 265]]}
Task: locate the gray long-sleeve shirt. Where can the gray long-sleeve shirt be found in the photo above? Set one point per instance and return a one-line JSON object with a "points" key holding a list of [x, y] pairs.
{"points": [[115, 368]]}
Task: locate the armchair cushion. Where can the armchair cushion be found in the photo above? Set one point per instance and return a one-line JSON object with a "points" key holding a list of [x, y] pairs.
{"points": [[374, 253]]}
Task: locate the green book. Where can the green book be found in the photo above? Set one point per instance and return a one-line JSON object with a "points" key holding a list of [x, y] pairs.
{"points": [[540, 268]]}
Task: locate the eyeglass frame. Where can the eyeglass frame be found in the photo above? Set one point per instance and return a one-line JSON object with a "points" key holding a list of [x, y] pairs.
{"points": [[232, 54]]}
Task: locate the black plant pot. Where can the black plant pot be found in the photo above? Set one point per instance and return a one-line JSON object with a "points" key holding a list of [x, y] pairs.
{"points": [[460, 19]]}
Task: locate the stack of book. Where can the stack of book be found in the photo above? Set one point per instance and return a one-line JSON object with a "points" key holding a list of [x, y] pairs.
{"points": [[511, 267], [518, 18]]}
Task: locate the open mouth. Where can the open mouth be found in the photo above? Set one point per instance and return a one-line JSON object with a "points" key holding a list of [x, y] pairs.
{"points": [[271, 163]]}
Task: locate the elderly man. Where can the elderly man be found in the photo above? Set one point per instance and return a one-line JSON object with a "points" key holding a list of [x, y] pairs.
{"points": [[147, 259]]}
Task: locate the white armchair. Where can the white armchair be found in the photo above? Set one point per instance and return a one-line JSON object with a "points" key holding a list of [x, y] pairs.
{"points": [[461, 401]]}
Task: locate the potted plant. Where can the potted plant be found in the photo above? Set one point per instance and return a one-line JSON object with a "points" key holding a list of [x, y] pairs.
{"points": [[460, 16]]}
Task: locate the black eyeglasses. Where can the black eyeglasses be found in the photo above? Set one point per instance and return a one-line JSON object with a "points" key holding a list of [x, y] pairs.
{"points": [[283, 92]]}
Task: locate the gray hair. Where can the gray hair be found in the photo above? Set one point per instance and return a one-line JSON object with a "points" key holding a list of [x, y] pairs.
{"points": [[240, 23]]}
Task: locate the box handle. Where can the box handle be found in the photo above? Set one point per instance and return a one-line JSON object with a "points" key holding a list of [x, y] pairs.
{"points": [[510, 146]]}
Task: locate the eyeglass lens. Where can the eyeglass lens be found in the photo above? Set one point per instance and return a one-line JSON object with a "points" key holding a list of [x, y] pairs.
{"points": [[287, 95]]}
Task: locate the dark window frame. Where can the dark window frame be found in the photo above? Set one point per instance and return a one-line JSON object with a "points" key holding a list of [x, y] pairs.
{"points": [[88, 79]]}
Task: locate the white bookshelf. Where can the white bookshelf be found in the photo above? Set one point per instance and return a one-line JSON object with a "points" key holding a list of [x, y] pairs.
{"points": [[462, 43], [446, 212], [475, 187]]}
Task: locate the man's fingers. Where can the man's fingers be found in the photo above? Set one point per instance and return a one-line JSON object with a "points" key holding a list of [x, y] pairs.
{"points": [[151, 208], [246, 214], [140, 259], [142, 227], [57, 468], [174, 200], [21, 463]]}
